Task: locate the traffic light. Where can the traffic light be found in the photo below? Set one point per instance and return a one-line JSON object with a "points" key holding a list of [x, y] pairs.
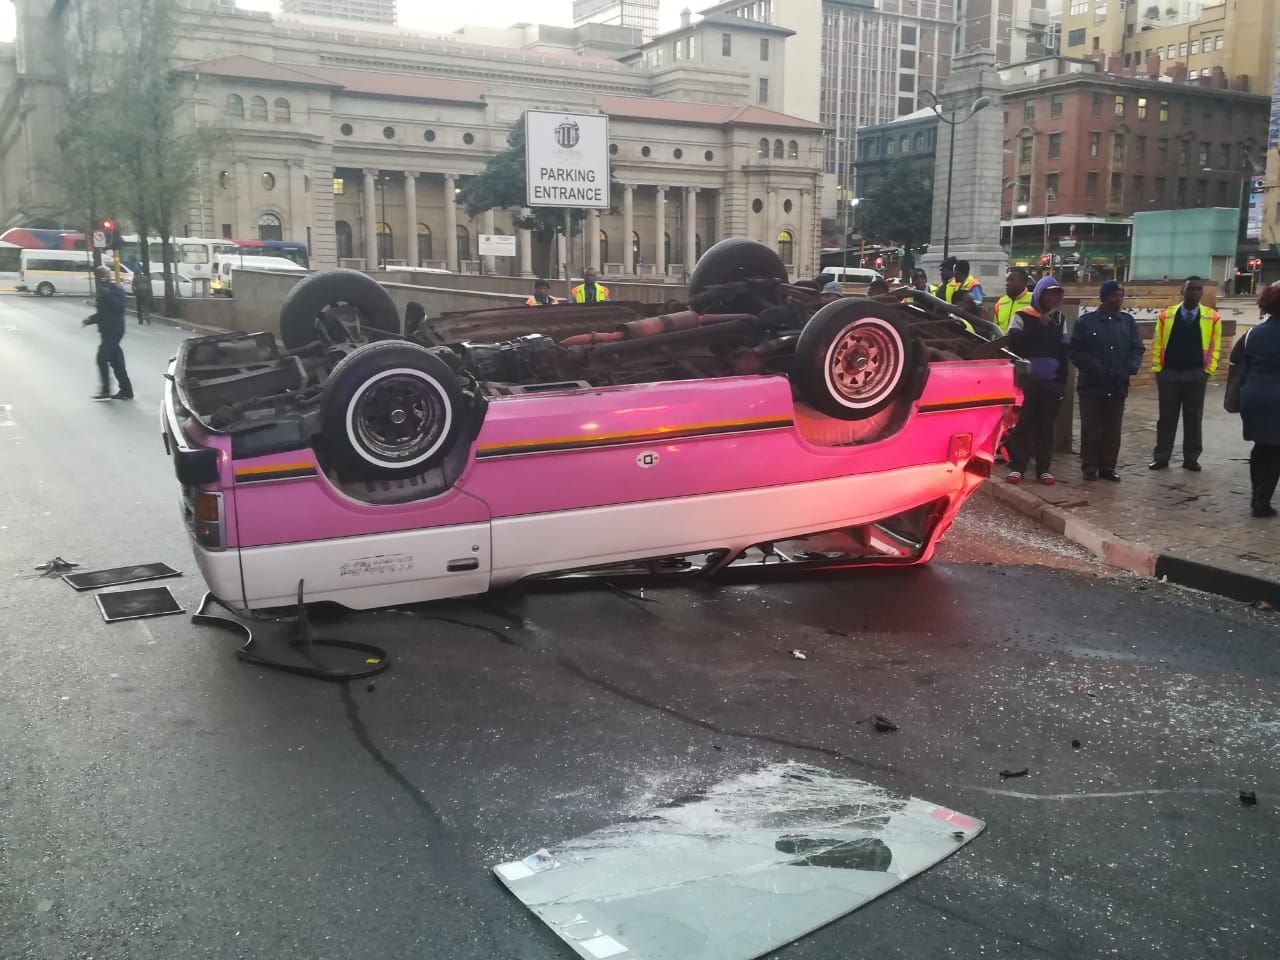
{"points": [[108, 228], [1045, 259]]}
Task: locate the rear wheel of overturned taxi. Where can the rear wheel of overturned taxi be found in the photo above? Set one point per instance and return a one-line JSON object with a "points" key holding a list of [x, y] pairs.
{"points": [[738, 258], [390, 410], [332, 306], [854, 358]]}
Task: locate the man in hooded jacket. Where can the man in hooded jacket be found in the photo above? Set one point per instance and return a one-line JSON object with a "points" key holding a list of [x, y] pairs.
{"points": [[1037, 333]]}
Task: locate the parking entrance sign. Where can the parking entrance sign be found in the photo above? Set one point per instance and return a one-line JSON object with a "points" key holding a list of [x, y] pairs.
{"points": [[567, 160]]}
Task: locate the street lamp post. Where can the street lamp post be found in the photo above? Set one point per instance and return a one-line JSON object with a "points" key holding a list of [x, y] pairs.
{"points": [[381, 185], [977, 105]]}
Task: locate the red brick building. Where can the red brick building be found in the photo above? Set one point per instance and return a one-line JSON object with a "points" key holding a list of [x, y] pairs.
{"points": [[1083, 143]]}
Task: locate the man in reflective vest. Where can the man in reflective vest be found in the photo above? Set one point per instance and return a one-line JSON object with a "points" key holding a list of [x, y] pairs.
{"points": [[1016, 297], [1184, 356], [960, 280], [541, 295], [589, 291]]}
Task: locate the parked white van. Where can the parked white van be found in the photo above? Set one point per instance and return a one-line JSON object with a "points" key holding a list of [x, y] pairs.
{"points": [[46, 272], [223, 267], [862, 275]]}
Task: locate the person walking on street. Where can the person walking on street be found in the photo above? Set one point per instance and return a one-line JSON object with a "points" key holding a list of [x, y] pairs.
{"points": [[109, 318], [1016, 297], [1259, 351], [1107, 350], [1037, 333], [541, 295], [1184, 355], [142, 296], [590, 290]]}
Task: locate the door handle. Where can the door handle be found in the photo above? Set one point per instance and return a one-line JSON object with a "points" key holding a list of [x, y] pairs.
{"points": [[461, 566]]}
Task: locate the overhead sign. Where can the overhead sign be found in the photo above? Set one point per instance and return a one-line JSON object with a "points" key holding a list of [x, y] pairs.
{"points": [[497, 245], [567, 160], [99, 240]]}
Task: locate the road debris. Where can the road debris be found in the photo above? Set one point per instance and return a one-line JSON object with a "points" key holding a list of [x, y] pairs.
{"points": [[1262, 605], [1075, 744], [1019, 772], [1248, 798], [799, 655], [885, 725]]}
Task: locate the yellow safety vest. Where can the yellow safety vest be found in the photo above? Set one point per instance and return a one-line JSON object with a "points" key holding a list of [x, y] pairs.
{"points": [[1007, 307], [969, 284], [1210, 337], [535, 302], [579, 293]]}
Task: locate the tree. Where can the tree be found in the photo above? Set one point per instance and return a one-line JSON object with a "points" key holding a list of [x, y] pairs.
{"points": [[1153, 12], [900, 209], [503, 185], [159, 154]]}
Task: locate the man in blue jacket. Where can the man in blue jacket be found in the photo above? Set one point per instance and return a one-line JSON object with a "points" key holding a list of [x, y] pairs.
{"points": [[109, 319], [1106, 349], [1037, 333]]}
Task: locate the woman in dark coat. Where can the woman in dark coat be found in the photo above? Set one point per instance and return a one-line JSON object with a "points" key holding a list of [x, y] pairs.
{"points": [[1260, 400]]}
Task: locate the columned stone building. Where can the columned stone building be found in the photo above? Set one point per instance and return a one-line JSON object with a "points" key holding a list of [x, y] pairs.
{"points": [[358, 142]]}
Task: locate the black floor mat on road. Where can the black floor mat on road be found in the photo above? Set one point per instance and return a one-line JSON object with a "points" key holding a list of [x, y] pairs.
{"points": [[93, 579], [136, 604]]}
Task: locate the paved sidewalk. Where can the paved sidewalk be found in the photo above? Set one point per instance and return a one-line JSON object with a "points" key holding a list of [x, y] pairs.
{"points": [[1160, 515]]}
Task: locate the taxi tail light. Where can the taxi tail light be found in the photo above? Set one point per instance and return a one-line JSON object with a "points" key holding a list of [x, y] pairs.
{"points": [[206, 521], [208, 507], [961, 447]]}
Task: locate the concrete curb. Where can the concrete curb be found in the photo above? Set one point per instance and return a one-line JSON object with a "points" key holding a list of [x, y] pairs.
{"points": [[1135, 557]]}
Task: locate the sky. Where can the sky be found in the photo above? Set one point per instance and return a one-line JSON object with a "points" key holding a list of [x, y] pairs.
{"points": [[435, 18]]}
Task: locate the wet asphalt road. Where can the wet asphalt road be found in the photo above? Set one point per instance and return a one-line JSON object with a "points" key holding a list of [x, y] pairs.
{"points": [[158, 798]]}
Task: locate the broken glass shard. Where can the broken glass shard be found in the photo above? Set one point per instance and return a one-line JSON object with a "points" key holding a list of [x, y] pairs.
{"points": [[735, 871]]}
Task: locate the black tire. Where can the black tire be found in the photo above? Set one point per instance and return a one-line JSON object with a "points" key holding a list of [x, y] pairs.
{"points": [[390, 409], [326, 306], [44, 289], [853, 358], [737, 258]]}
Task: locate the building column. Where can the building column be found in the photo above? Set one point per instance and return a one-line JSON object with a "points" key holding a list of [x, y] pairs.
{"points": [[526, 246], [771, 221], [450, 223], [802, 237], [628, 228], [660, 230], [242, 225], [488, 264], [370, 220], [411, 217], [593, 240], [690, 229]]}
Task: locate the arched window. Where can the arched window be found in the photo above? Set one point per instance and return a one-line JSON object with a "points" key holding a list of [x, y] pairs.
{"points": [[604, 247], [763, 151], [902, 144], [777, 150], [697, 245], [464, 243], [786, 247], [235, 106], [890, 146], [793, 150], [270, 227], [386, 242], [635, 247], [666, 248], [342, 231], [282, 112], [917, 142], [424, 243], [258, 108]]}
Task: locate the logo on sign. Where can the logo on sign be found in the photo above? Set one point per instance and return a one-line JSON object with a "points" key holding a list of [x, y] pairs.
{"points": [[647, 459], [568, 134]]}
